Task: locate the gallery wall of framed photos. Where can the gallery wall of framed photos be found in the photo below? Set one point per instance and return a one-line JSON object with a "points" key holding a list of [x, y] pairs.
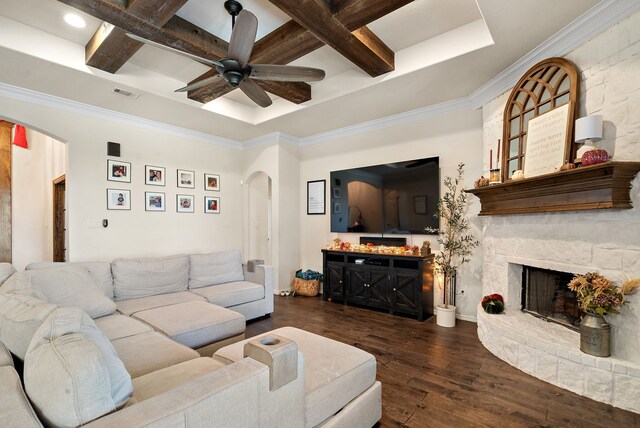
{"points": [[121, 198]]}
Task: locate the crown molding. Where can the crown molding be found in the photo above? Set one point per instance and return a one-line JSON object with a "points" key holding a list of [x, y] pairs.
{"points": [[76, 107], [270, 138], [584, 28]]}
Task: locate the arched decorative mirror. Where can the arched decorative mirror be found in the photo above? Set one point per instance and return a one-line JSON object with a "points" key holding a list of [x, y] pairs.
{"points": [[549, 84]]}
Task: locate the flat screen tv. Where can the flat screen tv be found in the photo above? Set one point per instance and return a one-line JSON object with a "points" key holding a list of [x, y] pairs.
{"points": [[393, 198]]}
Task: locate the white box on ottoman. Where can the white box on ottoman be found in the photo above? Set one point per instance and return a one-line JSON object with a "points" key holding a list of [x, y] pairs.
{"points": [[198, 325], [339, 380]]}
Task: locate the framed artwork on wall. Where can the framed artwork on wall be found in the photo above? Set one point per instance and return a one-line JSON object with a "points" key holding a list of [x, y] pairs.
{"points": [[186, 179], [118, 199], [316, 197], [184, 203], [118, 171], [211, 182], [154, 201], [420, 204], [211, 205], [336, 193], [154, 175]]}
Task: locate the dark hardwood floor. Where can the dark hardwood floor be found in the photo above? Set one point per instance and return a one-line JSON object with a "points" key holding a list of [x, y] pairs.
{"points": [[441, 377]]}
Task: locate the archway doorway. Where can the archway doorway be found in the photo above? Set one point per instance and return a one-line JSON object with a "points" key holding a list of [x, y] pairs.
{"points": [[259, 216]]}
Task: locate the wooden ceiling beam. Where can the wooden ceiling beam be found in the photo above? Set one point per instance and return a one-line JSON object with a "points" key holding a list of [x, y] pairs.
{"points": [[202, 44], [110, 48], [366, 53], [292, 41]]}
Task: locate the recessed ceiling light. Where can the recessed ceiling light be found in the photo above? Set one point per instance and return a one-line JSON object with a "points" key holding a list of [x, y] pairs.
{"points": [[75, 20]]}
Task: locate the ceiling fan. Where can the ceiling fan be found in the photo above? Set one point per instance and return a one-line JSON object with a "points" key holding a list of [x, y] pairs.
{"points": [[235, 68]]}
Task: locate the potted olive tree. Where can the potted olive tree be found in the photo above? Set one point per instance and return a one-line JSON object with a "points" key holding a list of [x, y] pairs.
{"points": [[456, 244]]}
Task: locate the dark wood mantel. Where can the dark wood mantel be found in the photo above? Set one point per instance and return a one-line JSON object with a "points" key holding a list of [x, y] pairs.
{"points": [[600, 186]]}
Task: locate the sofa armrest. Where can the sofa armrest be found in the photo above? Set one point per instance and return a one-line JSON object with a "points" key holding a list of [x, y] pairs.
{"points": [[237, 395], [263, 274]]}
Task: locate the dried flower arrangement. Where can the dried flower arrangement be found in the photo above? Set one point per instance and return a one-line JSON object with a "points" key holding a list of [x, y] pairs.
{"points": [[597, 295]]}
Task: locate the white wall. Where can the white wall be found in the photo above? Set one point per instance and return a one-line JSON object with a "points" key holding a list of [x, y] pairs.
{"points": [[454, 137], [136, 232], [280, 162], [33, 172]]}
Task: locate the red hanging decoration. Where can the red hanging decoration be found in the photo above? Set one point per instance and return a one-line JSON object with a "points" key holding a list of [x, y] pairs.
{"points": [[20, 137]]}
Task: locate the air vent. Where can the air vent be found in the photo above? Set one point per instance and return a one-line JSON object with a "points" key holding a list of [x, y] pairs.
{"points": [[125, 93]]}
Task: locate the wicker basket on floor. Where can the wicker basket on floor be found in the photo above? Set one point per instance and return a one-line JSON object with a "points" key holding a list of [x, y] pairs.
{"points": [[306, 287]]}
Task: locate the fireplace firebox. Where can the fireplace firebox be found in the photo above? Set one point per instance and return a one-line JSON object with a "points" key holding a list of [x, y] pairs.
{"points": [[545, 294]]}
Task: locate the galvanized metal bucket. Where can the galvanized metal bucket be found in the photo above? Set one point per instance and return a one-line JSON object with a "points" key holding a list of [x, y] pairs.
{"points": [[595, 335]]}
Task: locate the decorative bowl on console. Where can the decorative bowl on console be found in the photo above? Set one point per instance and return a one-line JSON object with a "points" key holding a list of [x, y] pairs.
{"points": [[595, 156]]}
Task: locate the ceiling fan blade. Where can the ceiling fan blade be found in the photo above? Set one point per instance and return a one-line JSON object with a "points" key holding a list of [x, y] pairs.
{"points": [[199, 84], [286, 73], [204, 61], [242, 37], [255, 92]]}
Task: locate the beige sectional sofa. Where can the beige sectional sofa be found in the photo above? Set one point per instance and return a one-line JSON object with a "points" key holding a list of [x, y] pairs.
{"points": [[102, 344]]}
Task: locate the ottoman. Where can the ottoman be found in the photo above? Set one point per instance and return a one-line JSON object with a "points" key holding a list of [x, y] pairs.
{"points": [[198, 324], [340, 384]]}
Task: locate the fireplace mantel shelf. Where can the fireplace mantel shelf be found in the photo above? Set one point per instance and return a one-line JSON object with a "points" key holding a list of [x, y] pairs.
{"points": [[599, 186]]}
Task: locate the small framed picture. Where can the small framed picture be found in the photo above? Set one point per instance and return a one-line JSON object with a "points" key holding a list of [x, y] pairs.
{"points": [[154, 175], [153, 201], [211, 182], [420, 204], [211, 205], [336, 193], [118, 199], [118, 171], [186, 179], [184, 203], [337, 207]]}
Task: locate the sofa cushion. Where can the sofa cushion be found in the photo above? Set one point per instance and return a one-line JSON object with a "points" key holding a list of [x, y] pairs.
{"points": [[134, 278], [163, 380], [130, 307], [118, 326], [147, 352], [72, 374], [232, 293], [215, 268], [20, 316], [99, 271], [6, 270], [66, 286], [194, 324], [15, 410], [329, 383]]}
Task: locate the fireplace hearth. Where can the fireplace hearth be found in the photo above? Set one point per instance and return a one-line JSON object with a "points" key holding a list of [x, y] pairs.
{"points": [[545, 295]]}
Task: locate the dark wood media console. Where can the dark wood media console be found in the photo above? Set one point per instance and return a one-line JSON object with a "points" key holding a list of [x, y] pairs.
{"points": [[396, 283]]}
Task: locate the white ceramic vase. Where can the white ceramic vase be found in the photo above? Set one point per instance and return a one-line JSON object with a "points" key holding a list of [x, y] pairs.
{"points": [[446, 317]]}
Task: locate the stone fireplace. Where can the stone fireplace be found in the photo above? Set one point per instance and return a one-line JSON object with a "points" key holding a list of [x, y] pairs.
{"points": [[606, 241]]}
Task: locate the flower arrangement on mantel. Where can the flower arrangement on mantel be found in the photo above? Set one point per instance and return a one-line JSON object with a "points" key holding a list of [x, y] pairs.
{"points": [[597, 295], [407, 250]]}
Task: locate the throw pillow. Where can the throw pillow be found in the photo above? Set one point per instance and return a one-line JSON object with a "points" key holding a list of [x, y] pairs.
{"points": [[134, 278], [72, 373], [68, 286], [215, 268], [20, 316]]}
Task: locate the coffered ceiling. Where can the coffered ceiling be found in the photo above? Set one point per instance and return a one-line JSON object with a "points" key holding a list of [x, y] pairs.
{"points": [[381, 57]]}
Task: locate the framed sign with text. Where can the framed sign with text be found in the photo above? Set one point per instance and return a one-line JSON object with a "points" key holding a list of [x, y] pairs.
{"points": [[316, 197]]}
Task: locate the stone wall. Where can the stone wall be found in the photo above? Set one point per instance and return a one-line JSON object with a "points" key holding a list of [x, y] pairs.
{"points": [[607, 241]]}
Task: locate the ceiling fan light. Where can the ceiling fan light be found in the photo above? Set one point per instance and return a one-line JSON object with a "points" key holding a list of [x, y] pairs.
{"points": [[75, 20], [233, 77]]}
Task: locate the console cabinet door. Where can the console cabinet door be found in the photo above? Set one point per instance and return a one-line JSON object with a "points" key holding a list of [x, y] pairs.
{"points": [[405, 292], [335, 280], [357, 291], [378, 288]]}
